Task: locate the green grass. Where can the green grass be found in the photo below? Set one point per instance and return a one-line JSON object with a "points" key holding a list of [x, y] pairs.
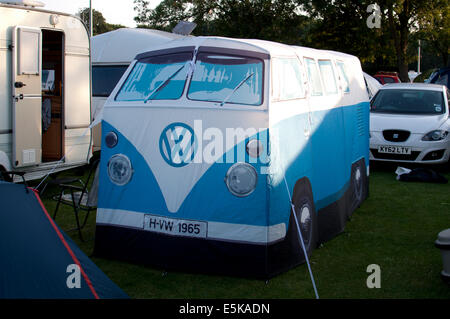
{"points": [[395, 228]]}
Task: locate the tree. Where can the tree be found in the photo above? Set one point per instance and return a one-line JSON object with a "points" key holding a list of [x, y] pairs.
{"points": [[339, 25], [264, 19], [99, 23], [435, 29], [165, 16], [405, 19], [342, 26]]}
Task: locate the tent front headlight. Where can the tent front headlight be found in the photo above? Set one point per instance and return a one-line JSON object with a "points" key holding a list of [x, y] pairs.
{"points": [[119, 169], [435, 135], [241, 179], [111, 139]]}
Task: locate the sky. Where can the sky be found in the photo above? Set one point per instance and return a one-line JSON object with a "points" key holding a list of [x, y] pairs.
{"points": [[114, 11]]}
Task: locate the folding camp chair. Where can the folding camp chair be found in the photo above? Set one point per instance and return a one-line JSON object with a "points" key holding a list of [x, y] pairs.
{"points": [[79, 197], [9, 176]]}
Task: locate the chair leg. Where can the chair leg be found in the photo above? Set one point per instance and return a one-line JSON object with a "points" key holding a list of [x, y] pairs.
{"points": [[76, 215], [57, 205], [86, 218]]}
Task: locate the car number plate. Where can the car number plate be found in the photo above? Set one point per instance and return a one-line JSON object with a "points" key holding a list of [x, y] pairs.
{"points": [[395, 150], [175, 227]]}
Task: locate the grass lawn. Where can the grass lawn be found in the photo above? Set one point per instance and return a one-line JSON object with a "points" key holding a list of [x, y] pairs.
{"points": [[395, 228]]}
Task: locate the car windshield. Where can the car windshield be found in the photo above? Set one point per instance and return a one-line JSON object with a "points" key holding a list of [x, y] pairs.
{"points": [[156, 78], [227, 79], [406, 101]]}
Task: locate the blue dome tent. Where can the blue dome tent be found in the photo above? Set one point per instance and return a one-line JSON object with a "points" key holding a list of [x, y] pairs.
{"points": [[37, 259]]}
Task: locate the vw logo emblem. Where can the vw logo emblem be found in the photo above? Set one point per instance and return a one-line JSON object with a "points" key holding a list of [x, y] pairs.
{"points": [[178, 144]]}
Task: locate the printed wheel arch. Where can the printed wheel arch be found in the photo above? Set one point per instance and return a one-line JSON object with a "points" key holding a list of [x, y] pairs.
{"points": [[358, 180], [306, 215]]}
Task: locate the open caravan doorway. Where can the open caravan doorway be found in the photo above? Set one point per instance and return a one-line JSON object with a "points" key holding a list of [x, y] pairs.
{"points": [[52, 95]]}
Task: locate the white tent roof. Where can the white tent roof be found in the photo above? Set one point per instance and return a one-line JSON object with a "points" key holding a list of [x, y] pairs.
{"points": [[122, 45], [372, 83], [262, 46]]}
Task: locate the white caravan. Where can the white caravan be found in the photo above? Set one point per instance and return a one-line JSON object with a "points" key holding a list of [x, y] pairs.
{"points": [[44, 89], [112, 53]]}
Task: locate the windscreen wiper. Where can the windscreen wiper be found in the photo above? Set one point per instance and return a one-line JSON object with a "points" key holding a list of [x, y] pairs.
{"points": [[162, 85], [236, 88]]}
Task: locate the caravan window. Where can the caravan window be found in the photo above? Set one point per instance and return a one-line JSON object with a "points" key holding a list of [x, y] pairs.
{"points": [[105, 78], [343, 76], [156, 78], [314, 77], [287, 79], [233, 79], [329, 80]]}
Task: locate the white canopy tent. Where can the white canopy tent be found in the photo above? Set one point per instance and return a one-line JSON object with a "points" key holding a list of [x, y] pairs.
{"points": [[122, 45], [117, 49]]}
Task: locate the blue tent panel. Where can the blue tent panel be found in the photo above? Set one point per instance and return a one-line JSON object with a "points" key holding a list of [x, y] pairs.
{"points": [[35, 254]]}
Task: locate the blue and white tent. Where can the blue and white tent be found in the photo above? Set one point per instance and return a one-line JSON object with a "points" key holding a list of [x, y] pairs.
{"points": [[214, 148]]}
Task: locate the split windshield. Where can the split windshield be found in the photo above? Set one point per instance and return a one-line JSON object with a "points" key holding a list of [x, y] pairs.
{"points": [[230, 79], [156, 78], [408, 101], [224, 79]]}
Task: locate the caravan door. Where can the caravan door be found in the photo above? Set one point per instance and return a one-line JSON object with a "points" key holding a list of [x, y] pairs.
{"points": [[26, 90]]}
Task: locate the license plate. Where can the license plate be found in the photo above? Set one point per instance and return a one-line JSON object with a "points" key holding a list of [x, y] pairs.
{"points": [[175, 227], [394, 150]]}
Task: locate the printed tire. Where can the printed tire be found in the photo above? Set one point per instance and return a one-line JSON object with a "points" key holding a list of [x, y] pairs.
{"points": [[357, 184], [306, 217]]}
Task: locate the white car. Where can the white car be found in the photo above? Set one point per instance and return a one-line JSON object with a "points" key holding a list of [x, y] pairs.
{"points": [[409, 122]]}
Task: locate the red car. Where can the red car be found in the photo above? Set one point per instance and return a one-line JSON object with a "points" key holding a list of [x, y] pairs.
{"points": [[387, 77]]}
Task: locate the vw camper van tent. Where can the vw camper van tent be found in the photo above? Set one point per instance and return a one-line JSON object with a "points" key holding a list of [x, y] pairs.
{"points": [[44, 89], [205, 142], [112, 53]]}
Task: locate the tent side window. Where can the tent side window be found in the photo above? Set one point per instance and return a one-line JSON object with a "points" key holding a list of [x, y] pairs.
{"points": [[287, 79], [314, 77], [328, 77], [343, 76]]}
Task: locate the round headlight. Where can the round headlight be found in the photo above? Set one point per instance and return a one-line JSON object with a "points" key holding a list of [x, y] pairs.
{"points": [[241, 179], [111, 139], [254, 148], [436, 135], [119, 169]]}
